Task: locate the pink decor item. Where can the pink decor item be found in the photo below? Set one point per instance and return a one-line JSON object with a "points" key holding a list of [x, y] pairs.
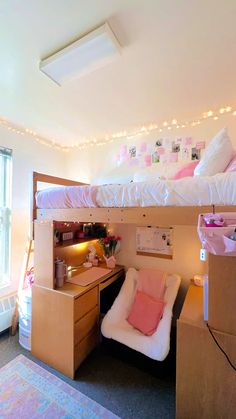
{"points": [[186, 170], [148, 160], [232, 165], [188, 141], [146, 313], [152, 282], [143, 147], [111, 262], [160, 150], [133, 162], [164, 158], [216, 232], [116, 158], [200, 145], [123, 150], [173, 157], [214, 220]]}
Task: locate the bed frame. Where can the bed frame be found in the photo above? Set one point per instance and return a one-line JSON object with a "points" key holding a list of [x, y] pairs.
{"points": [[158, 216]]}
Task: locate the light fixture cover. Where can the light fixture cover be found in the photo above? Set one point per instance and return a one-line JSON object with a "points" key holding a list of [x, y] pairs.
{"points": [[88, 53]]}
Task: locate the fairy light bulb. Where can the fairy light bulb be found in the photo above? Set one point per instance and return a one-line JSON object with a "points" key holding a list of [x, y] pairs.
{"points": [[141, 130]]}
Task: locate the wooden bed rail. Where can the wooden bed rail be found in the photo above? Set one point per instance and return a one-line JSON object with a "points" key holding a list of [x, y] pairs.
{"points": [[41, 177], [153, 216]]}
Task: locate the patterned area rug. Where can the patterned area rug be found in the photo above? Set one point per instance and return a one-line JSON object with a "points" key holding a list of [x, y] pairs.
{"points": [[29, 391]]}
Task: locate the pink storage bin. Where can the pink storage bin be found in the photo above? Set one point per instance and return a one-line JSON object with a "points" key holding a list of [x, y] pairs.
{"points": [[216, 239]]}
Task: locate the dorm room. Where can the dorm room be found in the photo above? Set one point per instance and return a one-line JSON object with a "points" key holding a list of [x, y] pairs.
{"points": [[117, 288]]}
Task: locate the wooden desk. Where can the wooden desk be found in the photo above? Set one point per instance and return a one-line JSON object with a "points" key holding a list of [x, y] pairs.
{"points": [[65, 322], [205, 382]]}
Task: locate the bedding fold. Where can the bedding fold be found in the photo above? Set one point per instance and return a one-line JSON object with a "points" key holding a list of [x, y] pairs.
{"points": [[190, 191]]}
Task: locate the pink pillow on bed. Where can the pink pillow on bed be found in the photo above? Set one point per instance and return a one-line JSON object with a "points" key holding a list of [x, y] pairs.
{"points": [[232, 165], [146, 313], [187, 170]]}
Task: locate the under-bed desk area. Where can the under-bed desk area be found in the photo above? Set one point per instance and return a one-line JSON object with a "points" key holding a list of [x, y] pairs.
{"points": [[65, 321]]}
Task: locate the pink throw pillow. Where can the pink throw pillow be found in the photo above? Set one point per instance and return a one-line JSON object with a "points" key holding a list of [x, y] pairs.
{"points": [[231, 166], [187, 170], [146, 313]]}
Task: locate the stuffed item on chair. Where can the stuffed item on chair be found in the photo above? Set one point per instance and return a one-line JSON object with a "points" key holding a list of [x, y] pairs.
{"points": [[116, 326]]}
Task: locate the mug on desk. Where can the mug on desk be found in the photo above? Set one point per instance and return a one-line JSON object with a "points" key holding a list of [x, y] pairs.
{"points": [[60, 272]]}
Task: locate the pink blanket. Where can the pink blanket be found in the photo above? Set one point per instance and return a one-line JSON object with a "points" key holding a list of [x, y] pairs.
{"points": [[152, 282]]}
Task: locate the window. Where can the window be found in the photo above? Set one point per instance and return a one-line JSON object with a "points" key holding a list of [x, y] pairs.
{"points": [[5, 213]]}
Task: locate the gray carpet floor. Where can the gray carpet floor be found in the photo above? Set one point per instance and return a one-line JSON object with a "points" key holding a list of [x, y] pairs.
{"points": [[127, 390]]}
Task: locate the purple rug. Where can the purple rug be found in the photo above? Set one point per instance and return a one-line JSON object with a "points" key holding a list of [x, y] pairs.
{"points": [[29, 391]]}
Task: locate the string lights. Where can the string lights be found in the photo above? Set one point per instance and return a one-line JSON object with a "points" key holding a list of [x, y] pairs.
{"points": [[174, 124]]}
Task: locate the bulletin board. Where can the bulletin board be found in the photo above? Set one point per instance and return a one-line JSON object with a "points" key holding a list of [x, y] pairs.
{"points": [[154, 241]]}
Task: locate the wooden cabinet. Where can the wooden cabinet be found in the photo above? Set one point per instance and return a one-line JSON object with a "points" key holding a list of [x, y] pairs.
{"points": [[65, 321], [206, 383], [222, 293], [61, 327]]}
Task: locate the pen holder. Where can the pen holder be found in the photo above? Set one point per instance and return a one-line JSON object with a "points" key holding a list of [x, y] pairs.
{"points": [[111, 262]]}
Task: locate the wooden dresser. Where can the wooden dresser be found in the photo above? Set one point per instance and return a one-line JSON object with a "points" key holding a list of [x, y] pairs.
{"points": [[65, 322], [206, 383]]}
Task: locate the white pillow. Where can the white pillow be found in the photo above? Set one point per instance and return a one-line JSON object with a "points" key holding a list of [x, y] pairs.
{"points": [[217, 155], [157, 171]]}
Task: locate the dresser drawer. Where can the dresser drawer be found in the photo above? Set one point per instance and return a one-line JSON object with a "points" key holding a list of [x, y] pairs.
{"points": [[84, 326], [85, 303], [83, 348]]}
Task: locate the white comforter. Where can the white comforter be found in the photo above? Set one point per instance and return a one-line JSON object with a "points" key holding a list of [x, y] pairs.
{"points": [[190, 191]]}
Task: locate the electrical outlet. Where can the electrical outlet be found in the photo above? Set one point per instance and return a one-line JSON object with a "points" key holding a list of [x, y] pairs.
{"points": [[203, 255]]}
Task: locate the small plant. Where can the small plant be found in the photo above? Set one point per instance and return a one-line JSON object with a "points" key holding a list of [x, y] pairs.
{"points": [[110, 245]]}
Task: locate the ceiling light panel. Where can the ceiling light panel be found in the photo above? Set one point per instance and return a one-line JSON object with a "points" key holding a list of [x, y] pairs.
{"points": [[83, 56]]}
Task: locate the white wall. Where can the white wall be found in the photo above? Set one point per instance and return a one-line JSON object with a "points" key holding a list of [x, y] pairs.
{"points": [[28, 156]]}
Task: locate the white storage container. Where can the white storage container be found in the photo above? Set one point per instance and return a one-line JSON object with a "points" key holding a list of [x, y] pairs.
{"points": [[25, 302], [25, 308], [25, 338], [25, 322]]}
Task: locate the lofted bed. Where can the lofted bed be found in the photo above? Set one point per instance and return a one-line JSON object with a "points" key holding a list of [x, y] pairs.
{"points": [[215, 193]]}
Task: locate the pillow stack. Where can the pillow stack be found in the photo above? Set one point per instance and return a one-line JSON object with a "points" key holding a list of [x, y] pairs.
{"points": [[217, 155]]}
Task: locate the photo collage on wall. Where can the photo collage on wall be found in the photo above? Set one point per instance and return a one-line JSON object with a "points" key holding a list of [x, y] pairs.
{"points": [[161, 150]]}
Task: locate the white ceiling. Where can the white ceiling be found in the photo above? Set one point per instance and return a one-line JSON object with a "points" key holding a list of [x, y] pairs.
{"points": [[178, 60]]}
